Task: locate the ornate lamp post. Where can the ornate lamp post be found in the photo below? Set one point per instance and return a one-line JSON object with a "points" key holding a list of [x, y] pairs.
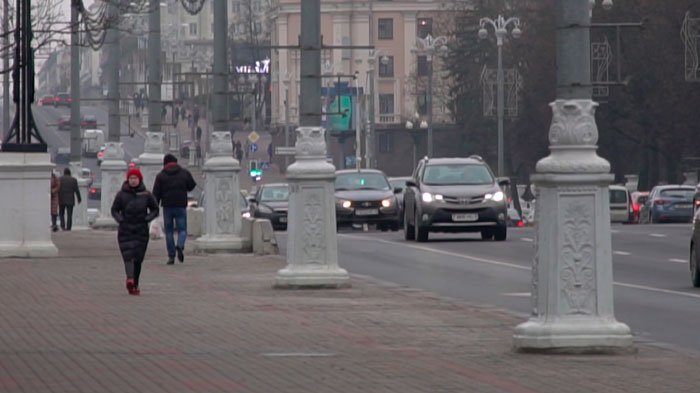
{"points": [[428, 46], [500, 26]]}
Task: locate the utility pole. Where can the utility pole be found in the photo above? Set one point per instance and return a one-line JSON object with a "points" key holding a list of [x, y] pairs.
{"points": [[75, 137], [154, 68], [369, 131], [6, 67], [310, 106], [220, 65], [112, 68]]}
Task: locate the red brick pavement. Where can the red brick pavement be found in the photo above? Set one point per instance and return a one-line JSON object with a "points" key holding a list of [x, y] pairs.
{"points": [[215, 324]]}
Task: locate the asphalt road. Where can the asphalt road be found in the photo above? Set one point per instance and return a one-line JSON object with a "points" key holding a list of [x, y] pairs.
{"points": [[653, 292], [47, 117]]}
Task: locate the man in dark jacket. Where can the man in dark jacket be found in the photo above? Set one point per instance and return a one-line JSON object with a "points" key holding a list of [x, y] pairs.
{"points": [[66, 199], [170, 190]]}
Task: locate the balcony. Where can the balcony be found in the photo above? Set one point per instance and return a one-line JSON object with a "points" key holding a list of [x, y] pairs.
{"points": [[386, 118]]}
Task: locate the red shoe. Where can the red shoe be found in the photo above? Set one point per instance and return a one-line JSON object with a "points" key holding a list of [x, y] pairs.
{"points": [[130, 286], [136, 292]]}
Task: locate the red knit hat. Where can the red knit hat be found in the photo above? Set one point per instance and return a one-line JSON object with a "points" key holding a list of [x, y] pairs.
{"points": [[134, 172]]}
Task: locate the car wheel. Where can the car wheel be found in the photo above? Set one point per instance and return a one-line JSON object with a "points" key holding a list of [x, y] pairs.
{"points": [[486, 235], [694, 274], [421, 231], [408, 229], [500, 233]]}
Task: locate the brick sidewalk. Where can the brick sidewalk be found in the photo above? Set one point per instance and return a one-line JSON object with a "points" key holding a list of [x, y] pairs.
{"points": [[214, 324]]}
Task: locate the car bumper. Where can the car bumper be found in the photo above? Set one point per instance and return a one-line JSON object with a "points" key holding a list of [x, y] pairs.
{"points": [[346, 217], [443, 219], [676, 215], [277, 219]]}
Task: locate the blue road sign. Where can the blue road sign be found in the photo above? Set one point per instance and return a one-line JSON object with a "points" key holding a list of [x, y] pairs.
{"points": [[254, 147], [265, 165]]}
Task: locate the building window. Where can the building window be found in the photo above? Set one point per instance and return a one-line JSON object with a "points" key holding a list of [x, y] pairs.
{"points": [[422, 103], [193, 29], [425, 27], [386, 70], [422, 66], [386, 142], [386, 29], [235, 6], [258, 28], [386, 104]]}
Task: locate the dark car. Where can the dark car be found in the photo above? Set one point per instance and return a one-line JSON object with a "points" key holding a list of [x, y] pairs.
{"points": [[95, 192], [272, 202], [242, 201], [454, 195], [668, 203], [365, 197], [400, 183], [64, 123], [47, 100], [89, 121], [63, 99]]}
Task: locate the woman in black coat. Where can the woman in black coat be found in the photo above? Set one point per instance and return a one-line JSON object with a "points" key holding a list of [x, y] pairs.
{"points": [[133, 208]]}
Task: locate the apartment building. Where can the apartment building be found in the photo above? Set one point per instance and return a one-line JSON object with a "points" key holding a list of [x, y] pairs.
{"points": [[400, 73]]}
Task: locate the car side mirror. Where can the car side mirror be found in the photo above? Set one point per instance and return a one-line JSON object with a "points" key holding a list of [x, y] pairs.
{"points": [[252, 200], [411, 183], [397, 190], [504, 182]]}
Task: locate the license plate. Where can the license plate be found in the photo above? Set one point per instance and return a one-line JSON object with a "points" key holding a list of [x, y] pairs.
{"points": [[366, 212], [683, 205], [283, 220], [465, 217]]}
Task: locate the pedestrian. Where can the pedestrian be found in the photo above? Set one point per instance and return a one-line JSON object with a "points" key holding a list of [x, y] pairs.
{"points": [[170, 190], [198, 155], [55, 188], [269, 151], [239, 153], [163, 113], [183, 113], [199, 134], [238, 145], [195, 115], [176, 113], [133, 208], [247, 148], [67, 195]]}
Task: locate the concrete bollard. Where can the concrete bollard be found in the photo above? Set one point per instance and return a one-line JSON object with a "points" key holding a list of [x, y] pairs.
{"points": [[263, 239]]}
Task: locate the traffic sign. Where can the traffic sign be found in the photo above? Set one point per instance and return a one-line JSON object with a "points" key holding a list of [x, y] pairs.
{"points": [[265, 165], [253, 137], [254, 147]]}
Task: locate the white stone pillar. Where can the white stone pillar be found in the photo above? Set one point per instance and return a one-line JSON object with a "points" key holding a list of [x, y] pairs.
{"points": [[25, 181], [151, 160], [572, 284], [113, 170], [312, 245], [80, 217], [222, 209]]}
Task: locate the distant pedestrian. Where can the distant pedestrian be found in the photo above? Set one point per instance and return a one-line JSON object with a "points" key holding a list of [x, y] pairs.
{"points": [[183, 113], [55, 188], [269, 151], [163, 113], [239, 153], [133, 208], [238, 145], [198, 155], [199, 133], [67, 195], [247, 148], [176, 113], [189, 120], [195, 115], [170, 190]]}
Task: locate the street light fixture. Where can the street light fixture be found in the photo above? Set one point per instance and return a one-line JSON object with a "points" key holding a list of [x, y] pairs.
{"points": [[428, 46], [500, 26]]}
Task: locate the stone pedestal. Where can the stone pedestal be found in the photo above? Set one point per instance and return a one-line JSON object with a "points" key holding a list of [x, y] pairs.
{"points": [[80, 216], [151, 161], [113, 176], [25, 181], [572, 284], [312, 246], [222, 209]]}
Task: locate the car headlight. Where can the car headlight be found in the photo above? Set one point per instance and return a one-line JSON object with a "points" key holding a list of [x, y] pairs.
{"points": [[346, 204], [496, 197], [264, 209], [386, 203], [245, 214], [428, 197]]}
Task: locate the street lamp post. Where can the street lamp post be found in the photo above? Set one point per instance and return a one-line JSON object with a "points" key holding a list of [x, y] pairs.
{"points": [[429, 45], [500, 26], [369, 128], [286, 80]]}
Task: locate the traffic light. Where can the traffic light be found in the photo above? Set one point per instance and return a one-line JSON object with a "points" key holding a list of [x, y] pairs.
{"points": [[254, 169]]}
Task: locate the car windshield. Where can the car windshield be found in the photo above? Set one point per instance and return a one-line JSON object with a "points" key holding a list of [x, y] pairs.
{"points": [[618, 196], [457, 174], [361, 181], [680, 193], [274, 194]]}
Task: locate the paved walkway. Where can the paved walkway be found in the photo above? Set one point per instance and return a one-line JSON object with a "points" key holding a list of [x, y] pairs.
{"points": [[215, 324]]}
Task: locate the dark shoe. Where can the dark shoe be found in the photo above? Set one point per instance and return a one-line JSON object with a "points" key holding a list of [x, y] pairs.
{"points": [[171, 261], [130, 286], [55, 229], [180, 255]]}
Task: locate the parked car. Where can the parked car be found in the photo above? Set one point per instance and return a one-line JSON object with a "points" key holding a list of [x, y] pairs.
{"points": [[95, 192], [455, 195], [271, 201], [668, 203], [88, 121], [620, 204], [638, 199], [64, 123], [399, 182], [63, 99], [365, 197], [47, 100]]}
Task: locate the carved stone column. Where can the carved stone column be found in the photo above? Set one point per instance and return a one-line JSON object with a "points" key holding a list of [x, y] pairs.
{"points": [[312, 246], [222, 209], [151, 160], [25, 181], [80, 217], [113, 176], [572, 284]]}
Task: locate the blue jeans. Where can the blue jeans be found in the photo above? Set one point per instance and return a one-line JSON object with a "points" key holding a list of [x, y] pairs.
{"points": [[175, 217]]}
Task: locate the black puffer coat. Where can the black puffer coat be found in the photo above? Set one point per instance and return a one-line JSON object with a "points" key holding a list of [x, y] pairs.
{"points": [[172, 185], [133, 209]]}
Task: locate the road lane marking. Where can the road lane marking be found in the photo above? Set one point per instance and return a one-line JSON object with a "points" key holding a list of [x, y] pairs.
{"points": [[614, 231], [516, 294], [527, 239], [678, 260], [621, 253], [657, 235], [519, 267]]}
